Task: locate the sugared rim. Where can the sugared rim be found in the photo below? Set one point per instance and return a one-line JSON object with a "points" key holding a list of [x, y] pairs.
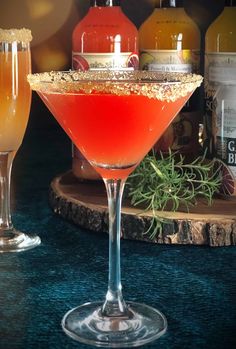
{"points": [[158, 85], [19, 35]]}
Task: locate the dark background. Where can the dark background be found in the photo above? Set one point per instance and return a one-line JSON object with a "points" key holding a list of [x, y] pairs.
{"points": [[52, 23]]}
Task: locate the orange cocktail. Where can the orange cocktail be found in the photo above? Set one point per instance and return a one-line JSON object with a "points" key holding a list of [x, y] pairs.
{"points": [[114, 118], [99, 126], [15, 97], [113, 126]]}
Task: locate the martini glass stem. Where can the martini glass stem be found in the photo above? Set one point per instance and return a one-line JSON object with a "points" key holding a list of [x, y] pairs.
{"points": [[114, 304], [6, 159]]}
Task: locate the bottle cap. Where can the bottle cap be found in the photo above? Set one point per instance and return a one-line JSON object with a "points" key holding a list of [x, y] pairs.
{"points": [[230, 3], [169, 3], [104, 3]]}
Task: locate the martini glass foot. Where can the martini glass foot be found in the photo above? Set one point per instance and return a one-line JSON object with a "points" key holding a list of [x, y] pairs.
{"points": [[141, 325], [16, 241]]}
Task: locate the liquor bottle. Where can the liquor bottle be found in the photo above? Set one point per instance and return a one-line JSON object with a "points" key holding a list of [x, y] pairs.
{"points": [[169, 40], [220, 92], [104, 39]]}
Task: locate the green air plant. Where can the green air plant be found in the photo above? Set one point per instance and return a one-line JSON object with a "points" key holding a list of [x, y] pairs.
{"points": [[168, 183]]}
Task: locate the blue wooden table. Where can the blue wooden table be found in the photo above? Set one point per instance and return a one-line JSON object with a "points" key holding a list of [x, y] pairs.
{"points": [[195, 287]]}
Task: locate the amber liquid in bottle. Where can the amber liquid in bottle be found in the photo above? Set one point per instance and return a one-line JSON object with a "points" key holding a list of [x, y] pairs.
{"points": [[104, 39], [170, 41]]}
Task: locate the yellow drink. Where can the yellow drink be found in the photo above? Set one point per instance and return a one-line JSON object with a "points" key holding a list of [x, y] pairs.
{"points": [[170, 41], [220, 36], [15, 98], [169, 29]]}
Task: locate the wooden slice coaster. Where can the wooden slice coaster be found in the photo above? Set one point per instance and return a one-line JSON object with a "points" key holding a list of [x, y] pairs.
{"points": [[85, 204]]}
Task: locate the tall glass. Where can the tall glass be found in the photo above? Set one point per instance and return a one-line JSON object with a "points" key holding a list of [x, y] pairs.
{"points": [[15, 99], [114, 118]]}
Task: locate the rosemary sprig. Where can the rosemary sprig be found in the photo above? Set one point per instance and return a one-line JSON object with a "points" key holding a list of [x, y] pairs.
{"points": [[169, 182]]}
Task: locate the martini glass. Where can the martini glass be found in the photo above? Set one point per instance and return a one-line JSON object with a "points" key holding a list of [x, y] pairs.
{"points": [[15, 99], [114, 118]]}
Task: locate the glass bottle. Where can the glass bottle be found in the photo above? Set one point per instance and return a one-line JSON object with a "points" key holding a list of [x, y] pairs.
{"points": [[104, 39], [224, 115], [170, 41], [220, 92]]}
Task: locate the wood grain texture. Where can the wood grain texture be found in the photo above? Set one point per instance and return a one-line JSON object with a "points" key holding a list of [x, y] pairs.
{"points": [[85, 204]]}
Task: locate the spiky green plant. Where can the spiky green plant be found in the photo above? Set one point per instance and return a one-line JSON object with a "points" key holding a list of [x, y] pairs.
{"points": [[171, 182]]}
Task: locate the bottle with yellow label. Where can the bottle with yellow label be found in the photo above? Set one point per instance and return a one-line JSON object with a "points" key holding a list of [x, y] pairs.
{"points": [[169, 40]]}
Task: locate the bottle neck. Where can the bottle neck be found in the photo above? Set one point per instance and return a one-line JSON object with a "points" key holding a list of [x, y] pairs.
{"points": [[169, 3], [230, 3], [104, 3]]}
